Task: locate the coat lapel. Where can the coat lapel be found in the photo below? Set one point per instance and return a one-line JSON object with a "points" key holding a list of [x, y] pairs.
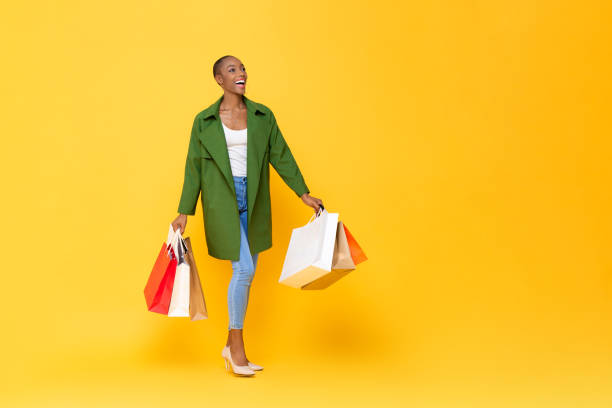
{"points": [[213, 138]]}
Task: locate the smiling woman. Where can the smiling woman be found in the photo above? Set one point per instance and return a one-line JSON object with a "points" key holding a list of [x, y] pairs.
{"points": [[233, 68], [232, 144]]}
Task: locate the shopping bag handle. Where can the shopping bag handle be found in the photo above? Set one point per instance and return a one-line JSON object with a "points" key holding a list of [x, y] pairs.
{"points": [[174, 236], [171, 234], [319, 212]]}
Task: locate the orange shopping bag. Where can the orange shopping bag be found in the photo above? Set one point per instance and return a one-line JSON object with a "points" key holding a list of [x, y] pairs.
{"points": [[158, 290], [356, 251]]}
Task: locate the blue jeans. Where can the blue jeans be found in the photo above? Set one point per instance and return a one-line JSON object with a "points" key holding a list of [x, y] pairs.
{"points": [[244, 268]]}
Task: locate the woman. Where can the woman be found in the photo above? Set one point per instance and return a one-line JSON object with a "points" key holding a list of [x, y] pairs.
{"points": [[231, 171]]}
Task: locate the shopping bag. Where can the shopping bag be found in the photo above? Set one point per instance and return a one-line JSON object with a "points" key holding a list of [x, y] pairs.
{"points": [[179, 302], [356, 251], [342, 259], [197, 304], [342, 262], [158, 290], [310, 252]]}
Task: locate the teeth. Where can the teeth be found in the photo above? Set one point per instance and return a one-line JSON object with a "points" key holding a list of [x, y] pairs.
{"points": [[240, 82]]}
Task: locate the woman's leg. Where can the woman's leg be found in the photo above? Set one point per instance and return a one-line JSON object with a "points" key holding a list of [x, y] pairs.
{"points": [[242, 277], [239, 287], [243, 220]]}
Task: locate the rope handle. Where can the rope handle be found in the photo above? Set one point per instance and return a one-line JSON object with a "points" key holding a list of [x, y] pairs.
{"points": [[315, 215], [174, 238]]}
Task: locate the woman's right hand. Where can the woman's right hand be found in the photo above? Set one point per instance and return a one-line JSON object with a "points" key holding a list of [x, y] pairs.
{"points": [[180, 222]]}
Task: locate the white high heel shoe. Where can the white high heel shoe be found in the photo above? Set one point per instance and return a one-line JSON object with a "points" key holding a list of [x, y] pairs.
{"points": [[252, 366], [242, 370]]}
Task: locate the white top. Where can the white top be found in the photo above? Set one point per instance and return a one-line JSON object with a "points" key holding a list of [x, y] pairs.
{"points": [[237, 148]]}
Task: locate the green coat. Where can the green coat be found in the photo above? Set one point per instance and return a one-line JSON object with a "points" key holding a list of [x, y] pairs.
{"points": [[207, 169]]}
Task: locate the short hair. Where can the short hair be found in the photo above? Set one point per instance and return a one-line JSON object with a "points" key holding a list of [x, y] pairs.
{"points": [[217, 64]]}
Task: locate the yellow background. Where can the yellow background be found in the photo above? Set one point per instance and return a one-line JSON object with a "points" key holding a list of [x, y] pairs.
{"points": [[465, 144]]}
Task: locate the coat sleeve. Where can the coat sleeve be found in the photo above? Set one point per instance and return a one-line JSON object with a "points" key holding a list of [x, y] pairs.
{"points": [[283, 162], [191, 183]]}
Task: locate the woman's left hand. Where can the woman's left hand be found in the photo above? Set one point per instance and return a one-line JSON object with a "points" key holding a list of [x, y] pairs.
{"points": [[311, 201]]}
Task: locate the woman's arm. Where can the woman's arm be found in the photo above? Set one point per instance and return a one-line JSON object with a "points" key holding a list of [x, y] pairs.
{"points": [[191, 183], [285, 165], [283, 162]]}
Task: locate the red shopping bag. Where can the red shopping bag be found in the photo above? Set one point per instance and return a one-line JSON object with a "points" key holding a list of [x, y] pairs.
{"points": [[158, 289], [356, 251]]}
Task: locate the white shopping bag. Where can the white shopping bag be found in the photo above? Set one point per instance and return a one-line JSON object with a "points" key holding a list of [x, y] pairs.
{"points": [[311, 250], [179, 302]]}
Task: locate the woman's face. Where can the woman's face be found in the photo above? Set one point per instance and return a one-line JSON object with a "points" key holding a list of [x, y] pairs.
{"points": [[232, 77]]}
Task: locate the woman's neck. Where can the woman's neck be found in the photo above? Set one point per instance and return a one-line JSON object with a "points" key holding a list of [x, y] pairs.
{"points": [[232, 101]]}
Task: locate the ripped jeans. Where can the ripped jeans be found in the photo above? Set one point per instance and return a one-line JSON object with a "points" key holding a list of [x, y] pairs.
{"points": [[244, 268]]}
